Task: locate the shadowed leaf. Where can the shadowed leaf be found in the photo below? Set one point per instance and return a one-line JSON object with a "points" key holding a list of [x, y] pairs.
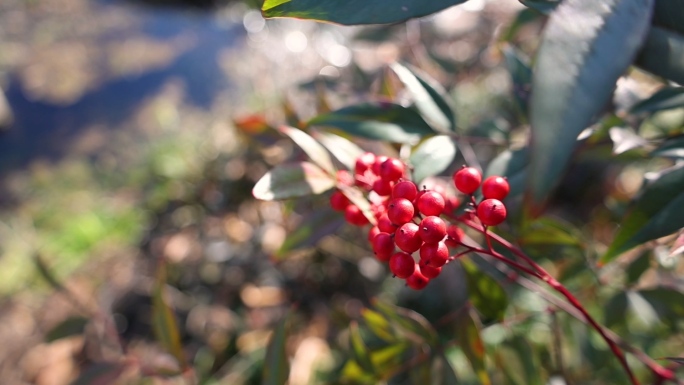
{"points": [[663, 54], [359, 350], [164, 321], [101, 374], [485, 293], [671, 148], [669, 14], [543, 6], [408, 321], [469, 339], [276, 368], [292, 180], [664, 99], [69, 327], [313, 226]]}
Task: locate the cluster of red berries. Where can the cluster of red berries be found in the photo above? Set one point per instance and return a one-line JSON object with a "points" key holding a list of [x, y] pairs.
{"points": [[411, 219]]}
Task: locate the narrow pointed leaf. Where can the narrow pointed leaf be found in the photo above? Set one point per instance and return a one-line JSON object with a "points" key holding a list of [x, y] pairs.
{"points": [[663, 54], [380, 121], [669, 14], [430, 98], [521, 74], [353, 12], [164, 321], [468, 334], [656, 212], [664, 99], [432, 156], [671, 148], [293, 180], [276, 367], [408, 321], [442, 371], [678, 360], [359, 350], [345, 151], [586, 47], [485, 293], [378, 324], [357, 198], [311, 147]]}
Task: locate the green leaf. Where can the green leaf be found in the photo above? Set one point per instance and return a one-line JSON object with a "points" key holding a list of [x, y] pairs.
{"points": [[667, 303], [511, 164], [380, 121], [485, 293], [408, 321], [665, 99], [378, 324], [69, 327], [521, 74], [587, 45], [669, 14], [358, 348], [293, 180], [442, 372], [671, 148], [656, 212], [543, 6], [390, 356], [276, 367], [432, 156], [468, 335], [164, 321], [430, 98], [638, 267], [549, 231], [342, 149], [663, 54], [615, 310], [311, 147], [519, 361], [678, 360], [313, 227], [352, 12], [102, 373]]}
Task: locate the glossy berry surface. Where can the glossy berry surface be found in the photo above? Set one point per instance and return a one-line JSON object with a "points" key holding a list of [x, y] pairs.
{"points": [[364, 162], [372, 233], [430, 203], [385, 225], [491, 212], [432, 229], [467, 180], [495, 187], [400, 211], [392, 169], [402, 265], [407, 238], [383, 187], [456, 233], [434, 254], [430, 271], [354, 215], [339, 201], [405, 189], [379, 160], [417, 281], [383, 246]]}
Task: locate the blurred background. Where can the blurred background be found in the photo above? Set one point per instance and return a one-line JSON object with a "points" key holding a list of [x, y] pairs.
{"points": [[131, 134]]}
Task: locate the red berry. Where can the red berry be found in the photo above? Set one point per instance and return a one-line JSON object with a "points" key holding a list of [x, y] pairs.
{"points": [[345, 178], [338, 201], [491, 212], [383, 246], [400, 211], [364, 162], [451, 203], [382, 187], [405, 189], [379, 160], [495, 187], [385, 225], [407, 238], [392, 169], [432, 229], [355, 216], [417, 280], [435, 254], [402, 265], [430, 271], [456, 233], [372, 233], [467, 180], [430, 203]]}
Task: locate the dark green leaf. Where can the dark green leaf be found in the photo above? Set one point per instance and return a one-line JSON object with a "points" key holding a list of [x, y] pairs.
{"points": [[485, 293], [667, 303], [468, 335], [432, 156], [665, 99], [587, 45], [101, 374], [549, 231], [638, 267], [615, 310], [669, 14], [430, 98], [352, 12], [381, 121], [511, 164], [313, 227], [519, 362], [642, 308], [276, 367], [358, 348], [342, 149], [521, 74], [656, 212], [293, 180], [311, 147], [543, 6], [408, 321], [671, 148], [663, 54], [67, 328], [442, 372], [523, 17], [163, 319], [378, 324]]}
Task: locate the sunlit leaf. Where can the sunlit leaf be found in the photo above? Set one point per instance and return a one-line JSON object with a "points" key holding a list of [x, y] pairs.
{"points": [[358, 348], [352, 12], [293, 180], [485, 293], [388, 357], [671, 148], [311, 147], [656, 212], [276, 368], [625, 139], [587, 45], [664, 99], [378, 324], [669, 14], [164, 321], [432, 156], [357, 198], [345, 151], [469, 339], [663, 54], [408, 321], [642, 308], [380, 121], [430, 98]]}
